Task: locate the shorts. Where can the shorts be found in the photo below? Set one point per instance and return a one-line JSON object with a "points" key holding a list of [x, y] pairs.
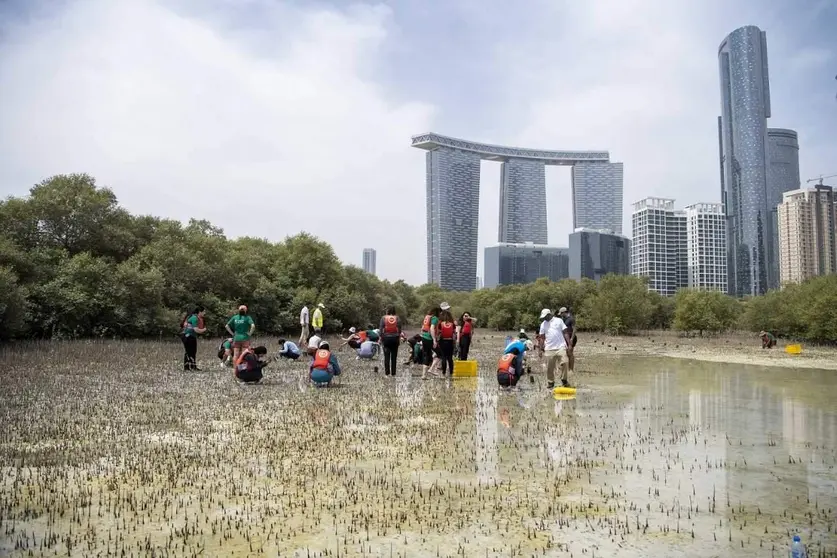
{"points": [[427, 351], [506, 379], [320, 376], [241, 344]]}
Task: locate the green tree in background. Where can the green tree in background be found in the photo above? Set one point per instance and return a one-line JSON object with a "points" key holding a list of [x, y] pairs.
{"points": [[701, 311]]}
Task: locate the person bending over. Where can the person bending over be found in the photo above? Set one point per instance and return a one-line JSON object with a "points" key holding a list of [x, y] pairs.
{"points": [[768, 340], [355, 338], [249, 365], [324, 367], [414, 342], [225, 352], [518, 347], [368, 350], [289, 350], [509, 368]]}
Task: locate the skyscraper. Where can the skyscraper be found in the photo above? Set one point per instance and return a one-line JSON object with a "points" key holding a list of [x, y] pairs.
{"points": [[745, 108], [707, 246], [782, 176], [453, 177], [523, 202], [659, 249], [597, 196], [596, 253], [807, 231], [370, 260], [510, 264]]}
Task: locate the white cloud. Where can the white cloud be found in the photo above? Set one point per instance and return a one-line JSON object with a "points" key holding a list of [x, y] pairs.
{"points": [[185, 117]]}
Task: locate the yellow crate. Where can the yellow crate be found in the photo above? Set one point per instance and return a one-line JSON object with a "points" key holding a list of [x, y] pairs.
{"points": [[464, 368], [793, 349]]}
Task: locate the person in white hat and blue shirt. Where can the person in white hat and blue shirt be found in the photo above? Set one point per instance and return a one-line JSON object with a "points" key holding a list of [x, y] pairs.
{"points": [[556, 338]]}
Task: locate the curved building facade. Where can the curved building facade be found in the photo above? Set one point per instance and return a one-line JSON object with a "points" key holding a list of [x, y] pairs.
{"points": [[782, 176], [745, 108], [453, 179]]}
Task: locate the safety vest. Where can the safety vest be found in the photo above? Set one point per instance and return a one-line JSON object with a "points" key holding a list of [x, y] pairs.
{"points": [[322, 359], [242, 365], [505, 363], [361, 335], [390, 325], [425, 325], [467, 327], [447, 330]]}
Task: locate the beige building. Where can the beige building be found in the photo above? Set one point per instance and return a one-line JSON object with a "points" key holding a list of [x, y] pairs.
{"points": [[807, 246]]}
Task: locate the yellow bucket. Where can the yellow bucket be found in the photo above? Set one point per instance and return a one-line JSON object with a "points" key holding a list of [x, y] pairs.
{"points": [[793, 349], [564, 391], [464, 368]]}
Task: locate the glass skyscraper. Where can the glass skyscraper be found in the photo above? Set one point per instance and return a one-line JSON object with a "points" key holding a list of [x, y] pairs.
{"points": [[782, 176], [523, 202], [597, 196], [745, 108], [596, 253], [511, 264]]}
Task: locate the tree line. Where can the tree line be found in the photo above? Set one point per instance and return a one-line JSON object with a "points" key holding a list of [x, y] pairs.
{"points": [[73, 263]]}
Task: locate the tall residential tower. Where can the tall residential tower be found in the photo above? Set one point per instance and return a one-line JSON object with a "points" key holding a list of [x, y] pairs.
{"points": [[370, 258], [807, 234]]}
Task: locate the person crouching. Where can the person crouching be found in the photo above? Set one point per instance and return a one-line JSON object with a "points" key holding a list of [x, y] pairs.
{"points": [[249, 365], [324, 366], [509, 368], [289, 350]]}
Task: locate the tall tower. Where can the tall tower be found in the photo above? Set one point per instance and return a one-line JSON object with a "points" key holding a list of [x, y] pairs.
{"points": [[707, 246], [370, 258], [782, 176], [807, 234], [523, 202], [597, 196], [745, 108], [660, 245]]}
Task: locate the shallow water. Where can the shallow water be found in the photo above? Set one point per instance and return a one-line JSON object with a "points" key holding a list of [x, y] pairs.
{"points": [[652, 457]]}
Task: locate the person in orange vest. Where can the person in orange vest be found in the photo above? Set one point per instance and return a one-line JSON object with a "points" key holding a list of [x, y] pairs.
{"points": [[446, 340], [355, 338], [428, 341], [509, 367], [390, 328], [249, 365], [324, 366]]}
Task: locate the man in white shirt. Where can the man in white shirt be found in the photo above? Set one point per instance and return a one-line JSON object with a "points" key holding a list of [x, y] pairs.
{"points": [[556, 340], [303, 324]]}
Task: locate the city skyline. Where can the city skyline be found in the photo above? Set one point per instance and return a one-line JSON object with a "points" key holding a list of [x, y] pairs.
{"points": [[316, 99]]}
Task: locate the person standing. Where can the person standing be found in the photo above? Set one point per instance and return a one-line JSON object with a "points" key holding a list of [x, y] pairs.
{"points": [[556, 341], [192, 326], [241, 327], [317, 320], [446, 340], [390, 328], [466, 330], [304, 323], [428, 335], [569, 321]]}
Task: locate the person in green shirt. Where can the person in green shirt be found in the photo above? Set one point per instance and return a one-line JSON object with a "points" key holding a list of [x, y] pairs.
{"points": [[225, 352], [241, 327], [191, 327], [428, 341]]}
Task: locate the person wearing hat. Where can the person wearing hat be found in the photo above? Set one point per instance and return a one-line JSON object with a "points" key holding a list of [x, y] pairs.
{"points": [[317, 319], [556, 340], [569, 321], [768, 340], [355, 338], [241, 327], [324, 366], [517, 347]]}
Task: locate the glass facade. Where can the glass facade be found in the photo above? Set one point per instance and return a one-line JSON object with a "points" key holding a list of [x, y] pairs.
{"points": [[523, 202], [370, 258], [782, 176], [745, 107], [511, 264], [594, 254], [597, 196], [453, 205]]}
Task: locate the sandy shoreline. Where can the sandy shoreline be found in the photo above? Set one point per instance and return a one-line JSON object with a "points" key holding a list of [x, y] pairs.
{"points": [[729, 348]]}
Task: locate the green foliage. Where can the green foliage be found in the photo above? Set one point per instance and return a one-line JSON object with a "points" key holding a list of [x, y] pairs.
{"points": [[621, 303], [14, 306], [705, 311]]}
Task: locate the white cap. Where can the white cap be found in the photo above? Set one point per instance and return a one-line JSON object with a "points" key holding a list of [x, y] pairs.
{"points": [[352, 330], [444, 306], [321, 305], [545, 312], [522, 330]]}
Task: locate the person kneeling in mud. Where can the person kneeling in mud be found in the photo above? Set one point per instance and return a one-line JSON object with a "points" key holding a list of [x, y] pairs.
{"points": [[368, 350], [510, 368], [225, 352], [768, 340], [288, 350], [416, 356], [249, 365], [324, 367]]}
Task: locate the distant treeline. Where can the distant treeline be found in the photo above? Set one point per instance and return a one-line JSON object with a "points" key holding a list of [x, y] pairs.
{"points": [[75, 264]]}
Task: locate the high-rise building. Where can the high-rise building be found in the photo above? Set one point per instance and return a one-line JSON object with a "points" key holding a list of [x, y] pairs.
{"points": [[742, 130], [597, 196], [510, 264], [782, 176], [596, 253], [807, 231], [660, 244], [706, 231], [370, 260], [523, 202], [453, 177]]}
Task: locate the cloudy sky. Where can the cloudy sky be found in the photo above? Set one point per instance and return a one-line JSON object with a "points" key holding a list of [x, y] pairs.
{"points": [[269, 117]]}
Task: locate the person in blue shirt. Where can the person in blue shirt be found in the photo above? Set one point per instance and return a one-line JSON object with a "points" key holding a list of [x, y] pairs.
{"points": [[324, 366], [518, 347], [289, 350]]}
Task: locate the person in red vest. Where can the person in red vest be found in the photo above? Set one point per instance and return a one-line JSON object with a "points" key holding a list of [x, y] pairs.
{"points": [[249, 365], [508, 368], [466, 331], [446, 339], [390, 328], [324, 366], [428, 341]]}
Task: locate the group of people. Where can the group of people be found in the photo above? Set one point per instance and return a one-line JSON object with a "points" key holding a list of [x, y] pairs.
{"points": [[441, 339]]}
